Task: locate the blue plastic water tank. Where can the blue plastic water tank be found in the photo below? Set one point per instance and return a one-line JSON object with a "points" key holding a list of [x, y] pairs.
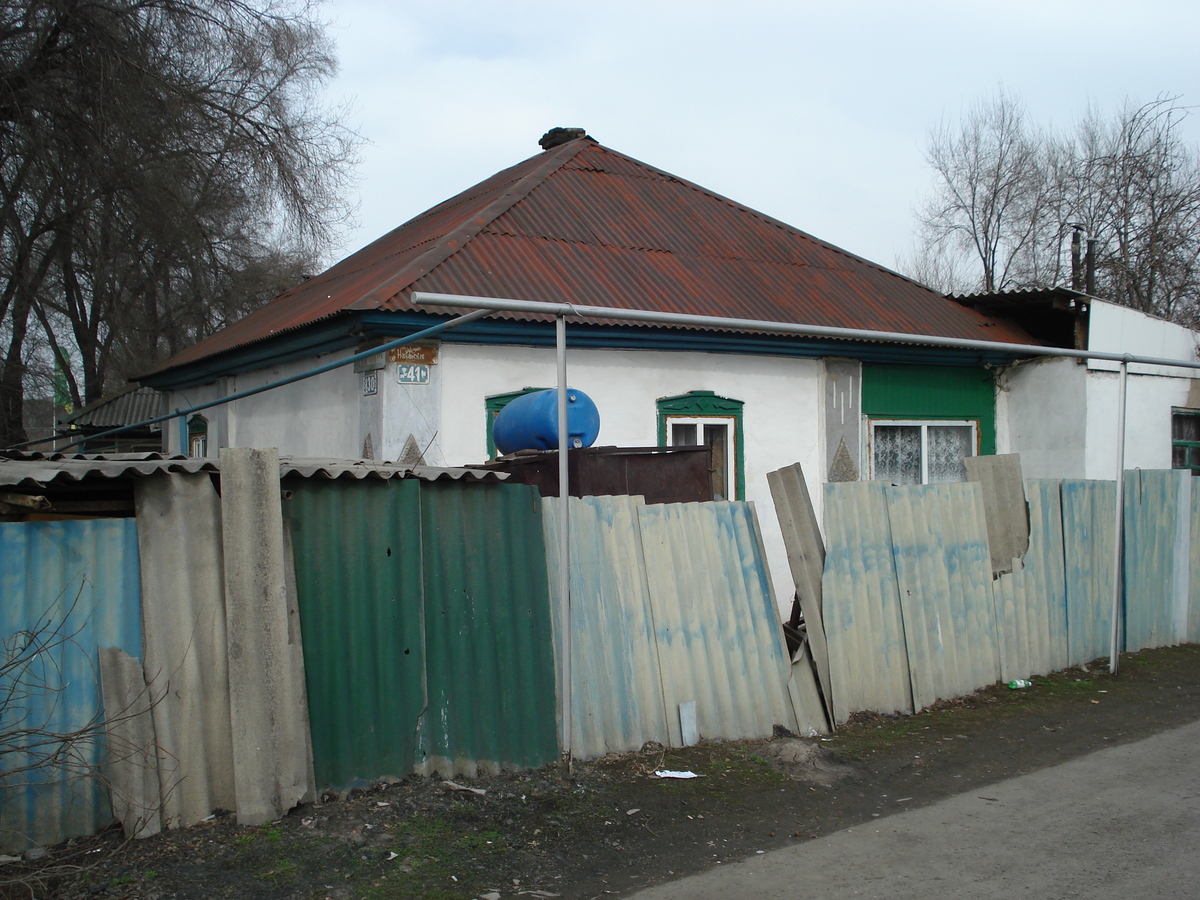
{"points": [[531, 422]]}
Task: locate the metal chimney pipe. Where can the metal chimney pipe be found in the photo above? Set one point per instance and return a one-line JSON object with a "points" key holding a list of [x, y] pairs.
{"points": [[1089, 265], [1076, 259]]}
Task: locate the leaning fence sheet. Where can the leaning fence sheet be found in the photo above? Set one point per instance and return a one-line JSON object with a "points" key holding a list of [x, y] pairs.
{"points": [[616, 694], [1031, 602], [1087, 511], [185, 647], [718, 635], [943, 568], [1157, 537], [272, 754], [868, 657], [68, 588]]}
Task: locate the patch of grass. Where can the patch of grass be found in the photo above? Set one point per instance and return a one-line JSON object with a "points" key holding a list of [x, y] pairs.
{"points": [[282, 870], [430, 849]]}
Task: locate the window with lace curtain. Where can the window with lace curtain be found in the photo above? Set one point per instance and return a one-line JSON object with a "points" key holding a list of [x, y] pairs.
{"points": [[921, 451]]}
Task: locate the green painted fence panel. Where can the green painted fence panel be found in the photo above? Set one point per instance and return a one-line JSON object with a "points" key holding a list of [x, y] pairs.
{"points": [[357, 550], [489, 645], [426, 626]]}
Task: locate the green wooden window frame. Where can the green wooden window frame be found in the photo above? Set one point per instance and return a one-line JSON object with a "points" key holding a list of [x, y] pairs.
{"points": [[1185, 452], [197, 429], [493, 405], [705, 405]]}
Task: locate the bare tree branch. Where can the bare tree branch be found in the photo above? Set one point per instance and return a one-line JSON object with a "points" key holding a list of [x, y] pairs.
{"points": [[1006, 197]]}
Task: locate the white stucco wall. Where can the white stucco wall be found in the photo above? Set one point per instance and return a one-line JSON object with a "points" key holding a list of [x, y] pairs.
{"points": [[1148, 405], [1117, 329], [326, 415], [1061, 415], [1151, 390], [1041, 413], [781, 417]]}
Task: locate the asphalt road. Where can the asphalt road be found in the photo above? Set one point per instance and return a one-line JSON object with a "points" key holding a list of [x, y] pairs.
{"points": [[1122, 822]]}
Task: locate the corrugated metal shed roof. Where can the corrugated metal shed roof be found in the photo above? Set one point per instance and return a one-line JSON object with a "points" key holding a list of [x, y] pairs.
{"points": [[585, 224], [36, 470], [134, 404]]}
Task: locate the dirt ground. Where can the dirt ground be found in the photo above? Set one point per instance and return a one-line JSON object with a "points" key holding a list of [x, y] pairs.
{"points": [[613, 826]]}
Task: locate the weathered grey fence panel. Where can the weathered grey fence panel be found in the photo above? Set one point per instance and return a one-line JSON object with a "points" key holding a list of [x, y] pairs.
{"points": [[943, 568], [669, 604], [1087, 508], [617, 700], [1193, 626], [718, 634], [1155, 533], [868, 657], [1031, 603]]}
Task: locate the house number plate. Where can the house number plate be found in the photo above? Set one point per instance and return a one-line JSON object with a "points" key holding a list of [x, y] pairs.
{"points": [[412, 374]]}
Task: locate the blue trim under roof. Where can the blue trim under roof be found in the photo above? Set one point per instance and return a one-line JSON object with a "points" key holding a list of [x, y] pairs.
{"points": [[353, 328]]}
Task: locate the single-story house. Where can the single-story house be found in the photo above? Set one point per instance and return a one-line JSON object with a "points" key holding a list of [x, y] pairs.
{"points": [[583, 223]]}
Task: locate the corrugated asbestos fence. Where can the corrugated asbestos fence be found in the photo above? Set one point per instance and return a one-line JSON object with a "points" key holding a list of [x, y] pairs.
{"points": [[420, 620], [670, 605], [67, 588], [426, 628], [912, 614]]}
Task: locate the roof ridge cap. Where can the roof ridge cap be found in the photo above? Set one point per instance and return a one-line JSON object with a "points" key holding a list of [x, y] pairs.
{"points": [[455, 240]]}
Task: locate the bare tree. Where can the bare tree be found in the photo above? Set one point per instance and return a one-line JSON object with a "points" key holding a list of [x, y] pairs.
{"points": [[993, 199], [45, 743], [162, 164], [1007, 196], [1135, 186]]}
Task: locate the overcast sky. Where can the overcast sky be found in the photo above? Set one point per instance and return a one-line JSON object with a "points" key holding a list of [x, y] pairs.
{"points": [[814, 113]]}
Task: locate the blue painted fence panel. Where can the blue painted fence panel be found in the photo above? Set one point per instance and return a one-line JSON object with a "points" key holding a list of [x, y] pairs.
{"points": [[68, 587]]}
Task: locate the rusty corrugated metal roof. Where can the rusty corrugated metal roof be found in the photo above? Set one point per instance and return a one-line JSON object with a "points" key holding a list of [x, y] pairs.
{"points": [[585, 224]]}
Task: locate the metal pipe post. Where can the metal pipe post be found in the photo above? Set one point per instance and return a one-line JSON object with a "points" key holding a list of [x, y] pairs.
{"points": [[564, 536], [1119, 528]]}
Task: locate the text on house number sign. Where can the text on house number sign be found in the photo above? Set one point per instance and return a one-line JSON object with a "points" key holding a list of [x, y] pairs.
{"points": [[412, 373]]}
